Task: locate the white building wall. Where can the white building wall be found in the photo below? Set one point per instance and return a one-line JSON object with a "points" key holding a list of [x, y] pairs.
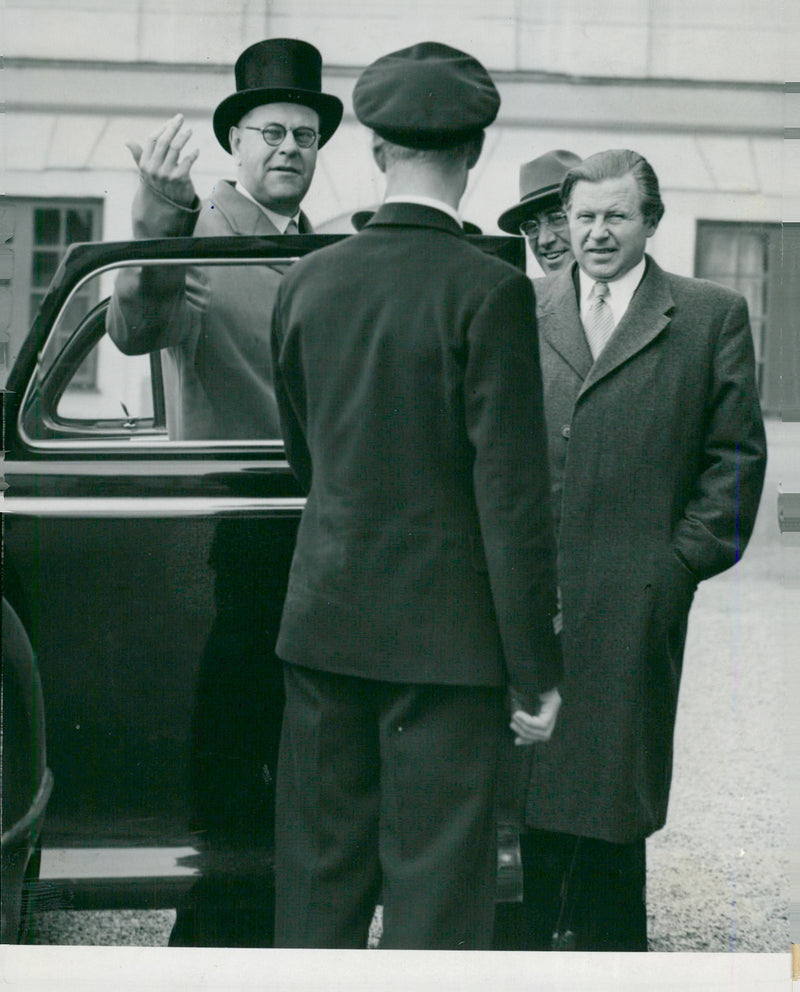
{"points": [[694, 85], [741, 40]]}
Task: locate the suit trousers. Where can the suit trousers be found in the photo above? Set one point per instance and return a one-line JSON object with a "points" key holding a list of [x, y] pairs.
{"points": [[386, 791], [579, 893]]}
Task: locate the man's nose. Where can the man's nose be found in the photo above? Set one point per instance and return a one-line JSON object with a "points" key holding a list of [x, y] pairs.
{"points": [[289, 145], [599, 229], [546, 236]]}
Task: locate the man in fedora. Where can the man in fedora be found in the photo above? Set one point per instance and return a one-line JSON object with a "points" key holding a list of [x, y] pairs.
{"points": [[539, 215], [423, 579], [210, 323]]}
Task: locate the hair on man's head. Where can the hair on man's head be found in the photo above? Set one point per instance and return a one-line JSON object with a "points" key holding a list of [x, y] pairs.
{"points": [[615, 164]]}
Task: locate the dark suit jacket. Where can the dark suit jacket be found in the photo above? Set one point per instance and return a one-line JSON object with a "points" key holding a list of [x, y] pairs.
{"points": [[408, 383], [657, 456], [211, 321]]}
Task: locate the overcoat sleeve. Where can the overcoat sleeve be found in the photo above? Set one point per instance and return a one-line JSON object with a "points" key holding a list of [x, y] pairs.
{"points": [[721, 513], [290, 396], [156, 307], [505, 423]]}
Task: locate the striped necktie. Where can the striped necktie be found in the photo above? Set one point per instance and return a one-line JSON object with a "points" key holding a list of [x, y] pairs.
{"points": [[599, 320]]}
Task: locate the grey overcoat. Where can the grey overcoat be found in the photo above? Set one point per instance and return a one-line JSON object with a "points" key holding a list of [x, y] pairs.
{"points": [[212, 322], [657, 455]]}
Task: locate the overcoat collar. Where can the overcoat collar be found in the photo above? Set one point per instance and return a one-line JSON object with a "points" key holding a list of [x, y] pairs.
{"points": [[646, 317], [559, 319], [414, 215], [244, 216]]}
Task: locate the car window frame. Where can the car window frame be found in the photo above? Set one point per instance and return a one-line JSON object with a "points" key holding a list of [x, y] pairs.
{"points": [[83, 262]]}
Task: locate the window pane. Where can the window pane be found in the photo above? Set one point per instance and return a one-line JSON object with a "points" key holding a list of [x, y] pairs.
{"points": [[79, 225], [125, 392], [752, 255], [43, 267], [753, 292], [737, 255], [47, 226], [718, 256]]}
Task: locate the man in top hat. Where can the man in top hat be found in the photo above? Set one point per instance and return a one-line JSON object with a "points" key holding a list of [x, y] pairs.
{"points": [[423, 580], [539, 215], [210, 323]]}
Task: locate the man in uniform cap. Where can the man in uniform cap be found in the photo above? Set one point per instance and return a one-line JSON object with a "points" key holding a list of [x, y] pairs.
{"points": [[423, 580], [539, 215], [218, 380]]}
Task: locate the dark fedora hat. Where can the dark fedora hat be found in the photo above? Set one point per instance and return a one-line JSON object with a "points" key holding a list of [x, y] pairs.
{"points": [[278, 70], [539, 180]]}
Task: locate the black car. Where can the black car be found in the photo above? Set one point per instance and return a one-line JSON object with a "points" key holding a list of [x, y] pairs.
{"points": [[149, 576]]}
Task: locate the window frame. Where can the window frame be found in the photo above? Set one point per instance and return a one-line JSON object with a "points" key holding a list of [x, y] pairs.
{"points": [[766, 329]]}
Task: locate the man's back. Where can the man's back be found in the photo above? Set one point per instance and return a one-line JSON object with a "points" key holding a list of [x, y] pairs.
{"points": [[406, 349]]}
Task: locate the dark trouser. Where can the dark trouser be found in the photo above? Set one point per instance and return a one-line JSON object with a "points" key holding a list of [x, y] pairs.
{"points": [[386, 790], [578, 894]]}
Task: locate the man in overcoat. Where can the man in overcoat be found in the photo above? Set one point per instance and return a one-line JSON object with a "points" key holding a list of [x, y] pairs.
{"points": [[423, 580], [657, 456], [209, 323]]}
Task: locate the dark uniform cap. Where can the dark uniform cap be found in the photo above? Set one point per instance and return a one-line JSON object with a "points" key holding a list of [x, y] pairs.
{"points": [[426, 96]]}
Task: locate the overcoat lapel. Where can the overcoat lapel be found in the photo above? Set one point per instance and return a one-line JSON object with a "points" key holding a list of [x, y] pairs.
{"points": [[646, 317], [244, 216], [560, 322]]}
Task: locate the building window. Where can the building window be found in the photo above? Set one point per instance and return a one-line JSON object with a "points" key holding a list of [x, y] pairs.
{"points": [[746, 257], [42, 230]]}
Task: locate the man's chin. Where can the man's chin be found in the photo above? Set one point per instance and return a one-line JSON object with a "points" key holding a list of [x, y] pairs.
{"points": [[600, 268]]}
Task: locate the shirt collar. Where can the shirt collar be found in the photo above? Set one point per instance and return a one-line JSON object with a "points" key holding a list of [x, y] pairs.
{"points": [[279, 220], [428, 201], [620, 291]]}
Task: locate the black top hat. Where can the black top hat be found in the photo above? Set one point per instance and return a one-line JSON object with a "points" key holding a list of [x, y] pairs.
{"points": [[279, 70], [539, 180]]}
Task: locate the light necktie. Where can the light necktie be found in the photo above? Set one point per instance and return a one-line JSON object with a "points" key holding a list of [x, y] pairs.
{"points": [[599, 320], [292, 228]]}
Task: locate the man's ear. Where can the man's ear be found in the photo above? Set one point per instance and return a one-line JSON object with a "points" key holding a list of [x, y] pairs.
{"points": [[379, 151], [234, 137], [475, 149]]}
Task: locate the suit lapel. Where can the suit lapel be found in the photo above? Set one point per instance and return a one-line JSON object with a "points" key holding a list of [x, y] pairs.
{"points": [[646, 317], [560, 321], [246, 217]]}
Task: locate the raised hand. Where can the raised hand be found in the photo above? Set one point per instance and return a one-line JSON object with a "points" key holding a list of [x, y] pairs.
{"points": [[160, 163]]}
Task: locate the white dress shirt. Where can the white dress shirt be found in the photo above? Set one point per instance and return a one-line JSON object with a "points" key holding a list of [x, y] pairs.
{"points": [[279, 220], [620, 291]]}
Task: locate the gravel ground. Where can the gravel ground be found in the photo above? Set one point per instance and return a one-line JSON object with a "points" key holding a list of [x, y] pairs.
{"points": [[718, 872]]}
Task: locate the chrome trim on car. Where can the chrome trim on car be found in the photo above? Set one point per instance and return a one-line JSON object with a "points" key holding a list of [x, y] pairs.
{"points": [[156, 506], [59, 863]]}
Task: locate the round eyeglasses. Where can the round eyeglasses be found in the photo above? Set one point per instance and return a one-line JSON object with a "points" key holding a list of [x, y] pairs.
{"points": [[275, 134], [556, 220]]}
